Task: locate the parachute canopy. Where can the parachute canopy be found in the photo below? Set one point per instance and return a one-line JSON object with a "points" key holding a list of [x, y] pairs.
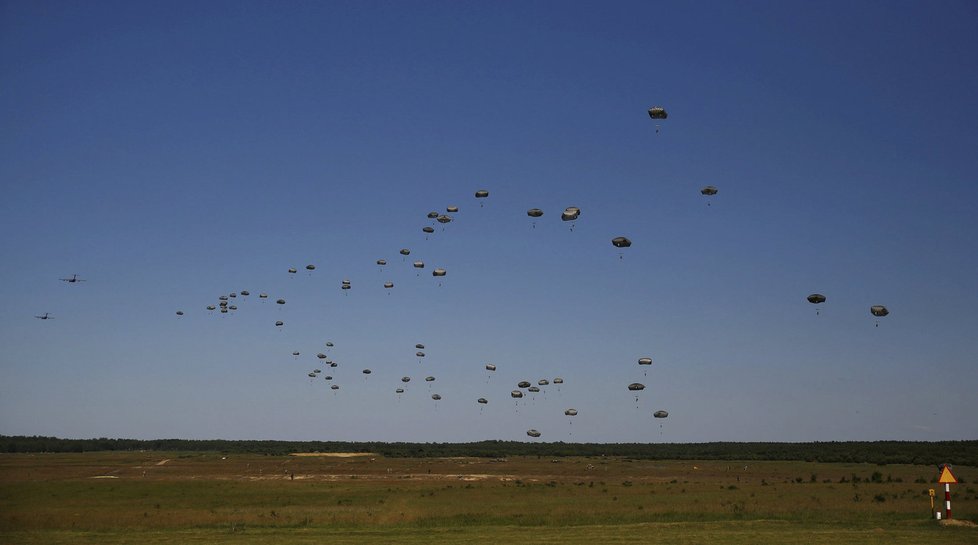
{"points": [[878, 310], [636, 386], [621, 242], [571, 412], [436, 397], [534, 212], [658, 112], [660, 414], [533, 433], [645, 361], [310, 267], [451, 209], [405, 251], [709, 190], [516, 394], [490, 367], [439, 272], [481, 194], [816, 298], [483, 400]]}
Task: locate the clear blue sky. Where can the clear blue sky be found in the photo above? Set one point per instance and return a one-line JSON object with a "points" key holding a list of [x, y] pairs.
{"points": [[173, 152]]}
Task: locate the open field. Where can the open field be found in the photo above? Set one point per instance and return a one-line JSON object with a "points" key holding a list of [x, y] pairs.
{"points": [[174, 497]]}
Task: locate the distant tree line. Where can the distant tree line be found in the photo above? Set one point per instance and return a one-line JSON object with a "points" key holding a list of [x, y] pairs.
{"points": [[876, 452]]}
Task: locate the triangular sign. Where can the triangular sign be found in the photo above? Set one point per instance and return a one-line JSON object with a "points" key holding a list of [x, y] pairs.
{"points": [[946, 477]]}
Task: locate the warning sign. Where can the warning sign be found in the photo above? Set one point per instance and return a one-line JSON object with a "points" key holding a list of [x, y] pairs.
{"points": [[946, 476]]}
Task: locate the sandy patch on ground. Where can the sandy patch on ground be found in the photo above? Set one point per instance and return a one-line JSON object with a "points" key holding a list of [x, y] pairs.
{"points": [[334, 454], [957, 522], [104, 477], [162, 462]]}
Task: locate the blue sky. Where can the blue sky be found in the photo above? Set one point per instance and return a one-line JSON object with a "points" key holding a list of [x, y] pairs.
{"points": [[170, 153]]}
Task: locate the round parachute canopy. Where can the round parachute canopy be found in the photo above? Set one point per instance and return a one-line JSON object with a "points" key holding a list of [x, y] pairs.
{"points": [[333, 364], [399, 391], [816, 298], [452, 209], [419, 264], [419, 354], [660, 414], [317, 371], [533, 433], [439, 272], [443, 219], [636, 386], [436, 397], [366, 371], [483, 400], [233, 307], [571, 412], [543, 382], [334, 387], [558, 380], [312, 375], [279, 323], [879, 310], [533, 389], [310, 267], [329, 344], [224, 310], [419, 346], [211, 307], [328, 377], [405, 379], [232, 294], [222, 298], [569, 216], [245, 292], [481, 194], [263, 296], [432, 215], [345, 287], [523, 384], [429, 379], [179, 313], [223, 304], [709, 190], [516, 394], [292, 270], [296, 353], [534, 212], [490, 367], [658, 112], [645, 361], [388, 285], [428, 230], [280, 302], [405, 251], [621, 242], [381, 261], [346, 282]]}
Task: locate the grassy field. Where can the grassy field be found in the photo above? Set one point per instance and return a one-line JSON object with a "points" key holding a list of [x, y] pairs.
{"points": [[172, 497]]}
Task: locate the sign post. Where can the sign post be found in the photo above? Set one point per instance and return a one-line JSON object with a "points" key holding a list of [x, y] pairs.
{"points": [[947, 479]]}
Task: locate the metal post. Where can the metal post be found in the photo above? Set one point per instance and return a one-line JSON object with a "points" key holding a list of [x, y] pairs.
{"points": [[947, 501]]}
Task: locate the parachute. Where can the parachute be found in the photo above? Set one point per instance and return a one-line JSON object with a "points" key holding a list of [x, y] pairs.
{"points": [[405, 379], [279, 323], [443, 219], [436, 397], [709, 191], [211, 307], [429, 379], [334, 387], [523, 384], [658, 112], [329, 344], [381, 262], [419, 354], [879, 311], [419, 264], [636, 386], [399, 391], [292, 270], [543, 382], [483, 400], [452, 209], [439, 272], [533, 389], [405, 251], [490, 367], [621, 242], [516, 394], [571, 412], [481, 194], [310, 267], [558, 380], [660, 414], [571, 213], [645, 361], [245, 292], [280, 302], [388, 285], [816, 299], [432, 215], [533, 433], [366, 371], [419, 346], [263, 296], [179, 313]]}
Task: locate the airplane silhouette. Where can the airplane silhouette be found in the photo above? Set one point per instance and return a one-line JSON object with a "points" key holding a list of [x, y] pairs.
{"points": [[74, 278], [45, 316]]}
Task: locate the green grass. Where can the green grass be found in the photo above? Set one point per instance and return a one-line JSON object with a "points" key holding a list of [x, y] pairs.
{"points": [[204, 498]]}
